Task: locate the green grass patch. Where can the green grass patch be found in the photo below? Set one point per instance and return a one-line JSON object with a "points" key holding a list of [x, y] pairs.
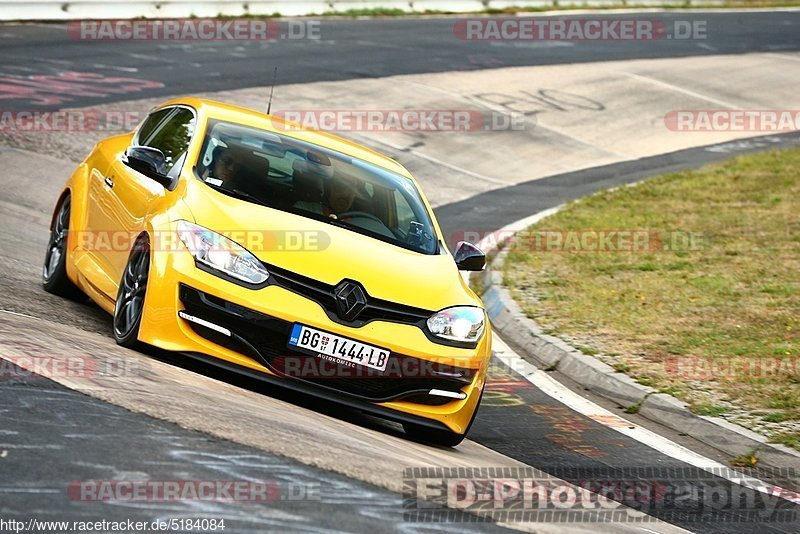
{"points": [[745, 460], [374, 12], [645, 381], [790, 439], [717, 278], [777, 417], [709, 410], [621, 367], [633, 408], [379, 12], [587, 350], [511, 10]]}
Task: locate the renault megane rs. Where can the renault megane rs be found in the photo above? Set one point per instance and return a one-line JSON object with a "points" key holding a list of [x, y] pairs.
{"points": [[305, 259]]}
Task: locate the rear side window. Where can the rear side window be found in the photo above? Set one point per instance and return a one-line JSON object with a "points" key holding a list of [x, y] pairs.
{"points": [[172, 137]]}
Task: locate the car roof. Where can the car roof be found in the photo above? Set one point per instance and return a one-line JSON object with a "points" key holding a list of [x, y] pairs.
{"points": [[248, 117]]}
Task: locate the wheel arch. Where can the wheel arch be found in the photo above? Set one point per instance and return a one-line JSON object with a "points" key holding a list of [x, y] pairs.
{"points": [[77, 188], [67, 192]]}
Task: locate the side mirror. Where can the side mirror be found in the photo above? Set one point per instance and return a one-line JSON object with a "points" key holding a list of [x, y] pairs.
{"points": [[469, 257], [149, 161]]}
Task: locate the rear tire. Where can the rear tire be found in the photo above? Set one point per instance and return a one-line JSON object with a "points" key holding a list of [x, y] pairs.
{"points": [[54, 270], [129, 307]]}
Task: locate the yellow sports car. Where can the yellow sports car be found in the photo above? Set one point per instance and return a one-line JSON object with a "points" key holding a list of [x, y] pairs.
{"points": [[302, 258]]}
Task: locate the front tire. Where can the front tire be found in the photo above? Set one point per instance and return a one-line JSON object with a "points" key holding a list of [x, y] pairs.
{"points": [[54, 270], [129, 308]]}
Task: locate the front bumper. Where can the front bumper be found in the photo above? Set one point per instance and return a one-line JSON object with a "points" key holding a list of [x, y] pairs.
{"points": [[425, 382]]}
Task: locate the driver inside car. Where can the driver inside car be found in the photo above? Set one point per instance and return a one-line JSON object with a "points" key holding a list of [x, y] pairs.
{"points": [[223, 165], [340, 193]]}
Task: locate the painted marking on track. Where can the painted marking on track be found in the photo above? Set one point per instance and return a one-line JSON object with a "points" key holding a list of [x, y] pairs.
{"points": [[15, 446], [572, 400], [114, 67], [682, 90], [29, 490], [489, 243], [62, 87], [20, 314], [708, 47], [443, 163], [500, 109], [783, 56], [744, 144], [531, 44], [612, 421]]}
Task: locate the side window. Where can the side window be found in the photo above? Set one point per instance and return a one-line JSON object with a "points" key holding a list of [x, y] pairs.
{"points": [[404, 212], [151, 123], [172, 138]]}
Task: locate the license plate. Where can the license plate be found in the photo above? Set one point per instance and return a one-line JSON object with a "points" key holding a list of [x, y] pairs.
{"points": [[338, 347]]}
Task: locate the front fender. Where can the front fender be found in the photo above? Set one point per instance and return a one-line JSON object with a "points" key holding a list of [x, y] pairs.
{"points": [[77, 187]]}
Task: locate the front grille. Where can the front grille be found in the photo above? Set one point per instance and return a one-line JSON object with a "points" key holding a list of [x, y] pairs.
{"points": [[324, 295], [264, 338]]}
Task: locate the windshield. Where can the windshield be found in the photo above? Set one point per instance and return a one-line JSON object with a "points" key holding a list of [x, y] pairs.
{"points": [[294, 176]]}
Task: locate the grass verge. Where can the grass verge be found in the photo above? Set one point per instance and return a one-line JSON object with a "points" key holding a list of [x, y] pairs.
{"points": [[384, 12], [555, 6], [704, 306]]}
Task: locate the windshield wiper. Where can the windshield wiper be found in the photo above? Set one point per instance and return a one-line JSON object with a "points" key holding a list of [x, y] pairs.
{"points": [[358, 229], [322, 218], [238, 194], [248, 196]]}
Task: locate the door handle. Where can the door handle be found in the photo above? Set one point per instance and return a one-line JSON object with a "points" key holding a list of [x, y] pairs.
{"points": [[109, 181]]}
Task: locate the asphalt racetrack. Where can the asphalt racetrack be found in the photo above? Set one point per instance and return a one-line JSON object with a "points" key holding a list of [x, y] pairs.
{"points": [[173, 418]]}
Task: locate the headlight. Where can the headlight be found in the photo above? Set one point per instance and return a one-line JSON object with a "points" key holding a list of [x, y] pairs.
{"points": [[221, 254], [460, 323]]}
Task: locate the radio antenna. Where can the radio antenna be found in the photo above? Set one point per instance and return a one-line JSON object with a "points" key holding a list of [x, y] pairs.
{"points": [[272, 89]]}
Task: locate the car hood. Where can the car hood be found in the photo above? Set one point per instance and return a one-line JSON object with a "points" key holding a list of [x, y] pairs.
{"points": [[329, 253]]}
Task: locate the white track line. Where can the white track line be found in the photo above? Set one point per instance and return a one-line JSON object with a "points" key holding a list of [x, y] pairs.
{"points": [[19, 314], [443, 163], [572, 400], [490, 242], [672, 87], [783, 56]]}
